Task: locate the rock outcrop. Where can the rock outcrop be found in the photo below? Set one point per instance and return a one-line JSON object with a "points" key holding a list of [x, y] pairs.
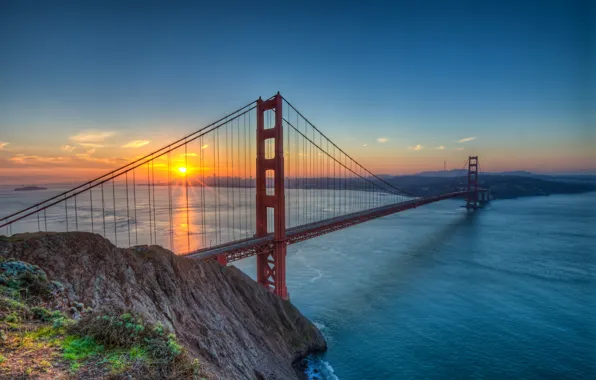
{"points": [[236, 328]]}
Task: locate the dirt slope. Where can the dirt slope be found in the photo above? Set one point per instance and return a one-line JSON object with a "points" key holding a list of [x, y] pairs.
{"points": [[236, 328]]}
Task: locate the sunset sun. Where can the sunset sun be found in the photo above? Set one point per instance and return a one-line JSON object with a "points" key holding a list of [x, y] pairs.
{"points": [[182, 170]]}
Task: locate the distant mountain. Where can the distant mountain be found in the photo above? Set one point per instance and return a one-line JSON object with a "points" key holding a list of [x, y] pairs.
{"points": [[501, 186], [520, 173], [517, 173], [443, 173]]}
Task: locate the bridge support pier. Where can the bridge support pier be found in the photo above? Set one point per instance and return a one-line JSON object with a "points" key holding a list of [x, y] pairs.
{"points": [[271, 265], [222, 259]]}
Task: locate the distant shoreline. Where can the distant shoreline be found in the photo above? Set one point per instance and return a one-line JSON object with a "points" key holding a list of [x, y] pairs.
{"points": [[501, 186], [30, 188]]}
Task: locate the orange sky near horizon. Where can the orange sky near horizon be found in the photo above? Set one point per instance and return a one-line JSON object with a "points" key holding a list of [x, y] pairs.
{"points": [[85, 160]]}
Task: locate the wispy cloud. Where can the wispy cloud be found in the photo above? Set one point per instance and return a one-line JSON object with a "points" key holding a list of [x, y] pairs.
{"points": [[365, 145], [136, 144], [205, 146], [189, 154], [416, 147], [32, 159], [91, 145], [68, 148], [382, 140], [440, 147], [466, 139], [3, 144], [73, 161], [462, 148], [89, 158], [92, 137]]}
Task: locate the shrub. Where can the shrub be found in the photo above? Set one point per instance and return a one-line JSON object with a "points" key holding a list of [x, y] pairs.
{"points": [[12, 318], [45, 315], [29, 280], [155, 352]]}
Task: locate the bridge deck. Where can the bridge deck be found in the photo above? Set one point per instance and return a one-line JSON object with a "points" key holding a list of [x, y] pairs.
{"points": [[252, 246]]}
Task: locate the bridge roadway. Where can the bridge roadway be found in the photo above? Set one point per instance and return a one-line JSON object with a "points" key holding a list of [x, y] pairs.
{"points": [[252, 246]]}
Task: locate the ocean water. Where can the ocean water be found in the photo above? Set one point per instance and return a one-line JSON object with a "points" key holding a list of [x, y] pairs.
{"points": [[432, 293], [508, 292]]}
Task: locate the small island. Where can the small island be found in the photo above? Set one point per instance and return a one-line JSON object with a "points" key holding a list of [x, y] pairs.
{"points": [[29, 188]]}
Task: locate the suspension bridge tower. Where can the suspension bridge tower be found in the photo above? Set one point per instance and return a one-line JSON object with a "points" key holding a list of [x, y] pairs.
{"points": [[472, 198], [271, 267]]}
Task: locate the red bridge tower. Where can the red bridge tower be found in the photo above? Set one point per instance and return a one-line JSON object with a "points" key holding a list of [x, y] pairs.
{"points": [[472, 199], [271, 265]]}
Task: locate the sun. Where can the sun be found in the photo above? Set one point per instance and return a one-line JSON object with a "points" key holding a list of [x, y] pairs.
{"points": [[182, 169]]}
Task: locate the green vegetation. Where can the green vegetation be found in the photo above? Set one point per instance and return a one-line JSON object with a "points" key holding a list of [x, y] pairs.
{"points": [[36, 333], [127, 341]]}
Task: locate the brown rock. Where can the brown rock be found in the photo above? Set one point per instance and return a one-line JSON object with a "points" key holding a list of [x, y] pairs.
{"points": [[236, 328]]}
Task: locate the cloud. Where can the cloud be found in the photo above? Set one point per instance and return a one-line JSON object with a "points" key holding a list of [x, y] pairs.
{"points": [[417, 147], [87, 157], [91, 137], [32, 159], [3, 144], [466, 139], [205, 146], [462, 148], [91, 145], [189, 154], [382, 140], [136, 144], [365, 145], [440, 147], [91, 151], [76, 161], [68, 148]]}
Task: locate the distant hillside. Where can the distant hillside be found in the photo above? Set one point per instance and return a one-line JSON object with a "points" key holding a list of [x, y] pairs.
{"points": [[501, 186]]}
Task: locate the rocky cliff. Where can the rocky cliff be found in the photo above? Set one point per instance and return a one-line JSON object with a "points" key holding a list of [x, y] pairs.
{"points": [[233, 326]]}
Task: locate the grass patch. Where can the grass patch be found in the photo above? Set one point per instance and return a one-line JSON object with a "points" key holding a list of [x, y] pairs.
{"points": [[135, 345], [117, 346], [78, 349]]}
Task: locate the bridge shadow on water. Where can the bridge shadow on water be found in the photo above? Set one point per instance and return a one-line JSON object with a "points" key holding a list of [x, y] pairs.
{"points": [[406, 265]]}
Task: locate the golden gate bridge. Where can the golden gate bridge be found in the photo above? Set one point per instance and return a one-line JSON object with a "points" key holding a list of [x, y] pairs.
{"points": [[249, 184]]}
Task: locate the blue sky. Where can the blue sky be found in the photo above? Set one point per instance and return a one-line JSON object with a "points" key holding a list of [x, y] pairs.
{"points": [[516, 75]]}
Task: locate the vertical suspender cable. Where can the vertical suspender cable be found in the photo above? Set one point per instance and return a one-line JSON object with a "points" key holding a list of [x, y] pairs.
{"points": [[91, 207], [76, 214], [103, 211], [186, 188], [153, 187], [171, 230], [134, 194], [66, 211], [127, 211], [114, 205], [149, 204]]}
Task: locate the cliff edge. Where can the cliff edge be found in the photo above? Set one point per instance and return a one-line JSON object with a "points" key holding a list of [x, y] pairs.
{"points": [[233, 326]]}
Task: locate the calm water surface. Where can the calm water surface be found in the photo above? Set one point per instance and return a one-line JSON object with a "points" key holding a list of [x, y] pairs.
{"points": [[437, 292], [432, 293]]}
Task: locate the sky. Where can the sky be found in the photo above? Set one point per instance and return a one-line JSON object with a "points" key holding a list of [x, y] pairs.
{"points": [[402, 86]]}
